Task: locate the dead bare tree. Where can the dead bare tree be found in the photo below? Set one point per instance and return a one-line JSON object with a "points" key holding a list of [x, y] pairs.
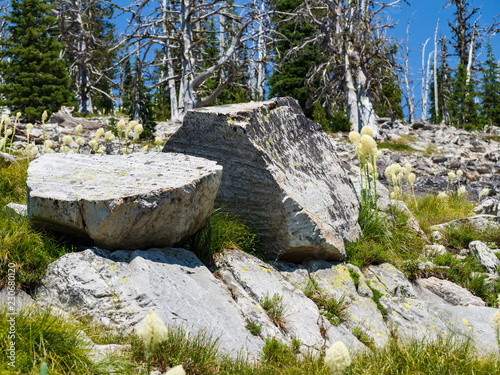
{"points": [[181, 29], [351, 35]]}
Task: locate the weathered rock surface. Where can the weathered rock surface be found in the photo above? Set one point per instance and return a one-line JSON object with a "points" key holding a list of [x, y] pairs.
{"points": [[7, 160], [252, 280], [120, 288], [488, 259], [15, 208], [479, 222], [450, 292], [15, 301], [132, 201], [281, 174], [488, 207]]}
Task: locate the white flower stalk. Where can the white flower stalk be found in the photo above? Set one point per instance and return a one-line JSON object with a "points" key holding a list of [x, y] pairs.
{"points": [[18, 114], [407, 170], [152, 331], [79, 142], [124, 151], [47, 145], [29, 128], [78, 129], [2, 143], [483, 192], [460, 173], [67, 140], [145, 148], [8, 132], [451, 175], [177, 370], [101, 150], [461, 191], [120, 126], [93, 145], [138, 129], [496, 320], [354, 137], [44, 117], [109, 136], [337, 358], [99, 133], [368, 146], [158, 142], [442, 195], [367, 130]]}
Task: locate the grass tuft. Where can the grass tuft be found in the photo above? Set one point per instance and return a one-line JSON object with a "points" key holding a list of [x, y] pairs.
{"points": [[275, 309], [223, 231], [396, 146]]}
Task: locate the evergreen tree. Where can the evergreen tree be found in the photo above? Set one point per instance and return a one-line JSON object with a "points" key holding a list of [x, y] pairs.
{"points": [[289, 75], [464, 109], [35, 78], [137, 100], [490, 89]]}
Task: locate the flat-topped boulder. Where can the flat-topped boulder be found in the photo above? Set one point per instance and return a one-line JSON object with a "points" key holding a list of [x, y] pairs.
{"points": [[281, 174], [134, 201]]}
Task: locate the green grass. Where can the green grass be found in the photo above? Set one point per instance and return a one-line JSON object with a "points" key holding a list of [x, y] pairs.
{"points": [[460, 236], [254, 328], [43, 336], [430, 210], [224, 231], [395, 146], [377, 294], [385, 239], [335, 310], [275, 310], [30, 249]]}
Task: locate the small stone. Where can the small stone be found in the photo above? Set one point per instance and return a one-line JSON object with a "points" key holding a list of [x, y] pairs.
{"points": [[488, 260]]}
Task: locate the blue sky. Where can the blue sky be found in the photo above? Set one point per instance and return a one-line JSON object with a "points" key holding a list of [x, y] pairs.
{"points": [[423, 23]]}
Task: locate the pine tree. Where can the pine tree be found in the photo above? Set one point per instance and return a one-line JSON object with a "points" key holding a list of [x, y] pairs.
{"points": [[289, 75], [138, 101], [464, 109], [490, 89], [36, 79]]}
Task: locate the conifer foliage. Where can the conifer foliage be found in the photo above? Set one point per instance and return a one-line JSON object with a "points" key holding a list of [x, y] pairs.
{"points": [[35, 77]]}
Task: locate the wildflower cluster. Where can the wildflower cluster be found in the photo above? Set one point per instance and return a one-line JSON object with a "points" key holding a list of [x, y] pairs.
{"points": [[396, 174], [461, 192], [337, 358], [367, 152], [8, 134]]}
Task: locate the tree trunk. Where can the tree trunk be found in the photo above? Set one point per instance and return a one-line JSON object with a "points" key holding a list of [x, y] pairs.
{"points": [[436, 101], [424, 85]]}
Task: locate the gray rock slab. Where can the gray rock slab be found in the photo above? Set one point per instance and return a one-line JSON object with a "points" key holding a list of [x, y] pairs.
{"points": [[119, 288], [134, 201], [480, 222], [450, 292], [16, 208], [7, 160], [281, 174], [488, 259], [257, 280], [14, 301]]}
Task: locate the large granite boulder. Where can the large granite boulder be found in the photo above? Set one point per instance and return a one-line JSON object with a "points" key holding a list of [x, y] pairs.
{"points": [[131, 201], [281, 174], [119, 288]]}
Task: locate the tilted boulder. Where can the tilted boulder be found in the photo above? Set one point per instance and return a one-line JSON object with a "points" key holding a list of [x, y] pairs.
{"points": [[131, 201], [281, 174]]}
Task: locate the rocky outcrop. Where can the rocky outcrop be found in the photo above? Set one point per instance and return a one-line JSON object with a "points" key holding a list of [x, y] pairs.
{"points": [[488, 259], [132, 201], [450, 292], [119, 288], [281, 174], [252, 281]]}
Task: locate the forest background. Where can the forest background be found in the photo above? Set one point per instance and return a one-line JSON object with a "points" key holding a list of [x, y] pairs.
{"points": [[346, 62]]}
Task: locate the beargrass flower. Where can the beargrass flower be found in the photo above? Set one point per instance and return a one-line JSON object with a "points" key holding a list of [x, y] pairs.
{"points": [[124, 150], [101, 150], [79, 129], [109, 136], [368, 146], [67, 140], [44, 116], [367, 130], [99, 133], [8, 132], [121, 125], [158, 142], [451, 175], [177, 370], [483, 192], [337, 358], [496, 320], [93, 145], [2, 143], [460, 173], [145, 148], [461, 191], [442, 195], [354, 137], [29, 128], [47, 144], [152, 331]]}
